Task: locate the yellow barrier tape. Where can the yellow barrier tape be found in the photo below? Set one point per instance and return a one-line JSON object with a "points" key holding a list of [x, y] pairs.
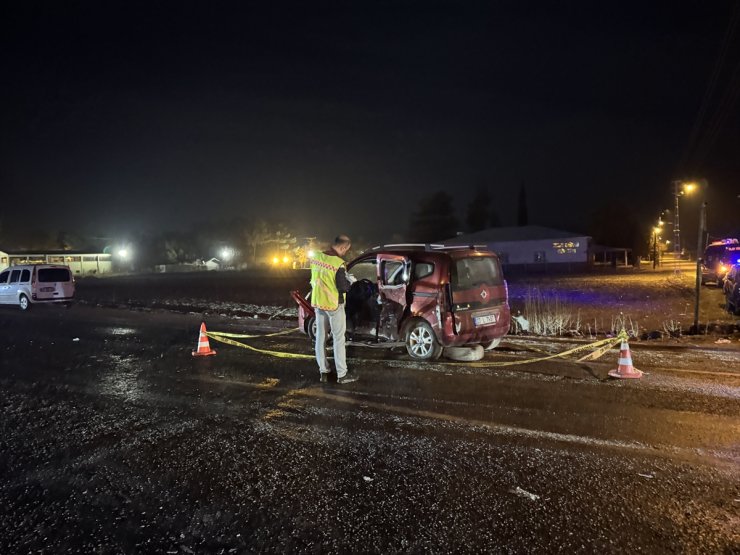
{"points": [[246, 336], [601, 347], [608, 343], [278, 354]]}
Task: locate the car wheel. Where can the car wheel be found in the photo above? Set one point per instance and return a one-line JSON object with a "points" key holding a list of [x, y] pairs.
{"points": [[310, 326], [24, 303], [492, 344], [464, 354], [421, 344]]}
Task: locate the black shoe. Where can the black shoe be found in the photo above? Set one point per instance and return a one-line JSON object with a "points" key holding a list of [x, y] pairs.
{"points": [[324, 377], [347, 378]]}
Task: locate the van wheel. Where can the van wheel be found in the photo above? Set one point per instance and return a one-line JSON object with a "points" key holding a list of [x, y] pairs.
{"points": [[492, 344], [23, 302], [310, 325], [421, 344]]}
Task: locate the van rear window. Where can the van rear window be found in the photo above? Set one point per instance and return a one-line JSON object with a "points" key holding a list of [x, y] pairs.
{"points": [[471, 272], [50, 275]]}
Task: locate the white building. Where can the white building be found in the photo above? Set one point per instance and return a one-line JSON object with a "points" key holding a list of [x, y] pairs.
{"points": [[81, 263], [532, 247]]}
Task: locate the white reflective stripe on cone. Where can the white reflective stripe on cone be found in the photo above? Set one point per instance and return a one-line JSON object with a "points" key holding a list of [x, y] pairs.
{"points": [[625, 362]]}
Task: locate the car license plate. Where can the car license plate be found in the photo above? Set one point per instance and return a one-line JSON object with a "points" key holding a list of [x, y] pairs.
{"points": [[47, 289], [485, 320]]}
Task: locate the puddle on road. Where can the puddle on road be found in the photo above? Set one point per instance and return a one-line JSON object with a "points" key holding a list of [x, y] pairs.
{"points": [[121, 378]]}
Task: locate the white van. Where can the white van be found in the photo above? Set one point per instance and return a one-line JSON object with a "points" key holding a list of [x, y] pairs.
{"points": [[36, 283]]}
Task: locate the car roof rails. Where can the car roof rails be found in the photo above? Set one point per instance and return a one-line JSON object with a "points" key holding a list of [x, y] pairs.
{"points": [[411, 246], [471, 247], [429, 247]]}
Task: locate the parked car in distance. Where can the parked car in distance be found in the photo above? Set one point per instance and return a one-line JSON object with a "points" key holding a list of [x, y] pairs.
{"points": [[426, 297], [731, 288], [28, 284]]}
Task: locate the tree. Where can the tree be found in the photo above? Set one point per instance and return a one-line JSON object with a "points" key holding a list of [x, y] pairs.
{"points": [[477, 215], [522, 216], [256, 236], [434, 220]]}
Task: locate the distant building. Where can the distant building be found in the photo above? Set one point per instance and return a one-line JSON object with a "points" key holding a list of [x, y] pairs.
{"points": [[532, 247], [81, 263]]}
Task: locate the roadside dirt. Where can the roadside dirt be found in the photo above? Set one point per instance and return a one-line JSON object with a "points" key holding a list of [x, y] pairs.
{"points": [[651, 305]]}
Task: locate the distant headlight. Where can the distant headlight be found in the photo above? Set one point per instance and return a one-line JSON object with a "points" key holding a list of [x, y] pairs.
{"points": [[275, 260], [286, 259]]}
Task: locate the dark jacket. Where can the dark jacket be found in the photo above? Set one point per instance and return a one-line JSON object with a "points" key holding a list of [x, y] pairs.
{"points": [[343, 284]]}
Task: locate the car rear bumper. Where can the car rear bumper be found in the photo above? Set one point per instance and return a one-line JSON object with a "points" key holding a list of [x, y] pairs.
{"points": [[53, 300]]}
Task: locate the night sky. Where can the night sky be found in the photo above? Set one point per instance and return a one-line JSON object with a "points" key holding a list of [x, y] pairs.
{"points": [[339, 117]]}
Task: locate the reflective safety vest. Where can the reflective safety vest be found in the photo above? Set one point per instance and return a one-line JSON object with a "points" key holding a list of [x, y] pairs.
{"points": [[324, 292]]}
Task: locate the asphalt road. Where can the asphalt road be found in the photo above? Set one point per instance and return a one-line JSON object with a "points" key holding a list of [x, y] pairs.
{"points": [[115, 440]]}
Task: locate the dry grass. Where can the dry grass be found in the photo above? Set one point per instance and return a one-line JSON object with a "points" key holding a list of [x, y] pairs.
{"points": [[641, 302]]}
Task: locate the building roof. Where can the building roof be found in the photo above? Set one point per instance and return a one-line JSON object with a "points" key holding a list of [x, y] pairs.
{"points": [[42, 252], [506, 234]]}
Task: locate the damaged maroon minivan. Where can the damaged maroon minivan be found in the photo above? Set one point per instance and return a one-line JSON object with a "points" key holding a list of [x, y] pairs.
{"points": [[425, 297]]}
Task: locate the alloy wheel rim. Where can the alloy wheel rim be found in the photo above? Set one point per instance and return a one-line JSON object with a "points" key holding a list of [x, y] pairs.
{"points": [[421, 341]]}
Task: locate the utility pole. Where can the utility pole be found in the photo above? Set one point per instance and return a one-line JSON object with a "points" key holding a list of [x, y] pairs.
{"points": [[699, 250], [676, 227]]}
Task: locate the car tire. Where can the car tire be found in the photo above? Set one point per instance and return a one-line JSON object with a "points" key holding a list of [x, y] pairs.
{"points": [[421, 343], [310, 328], [491, 345], [23, 302], [465, 354]]}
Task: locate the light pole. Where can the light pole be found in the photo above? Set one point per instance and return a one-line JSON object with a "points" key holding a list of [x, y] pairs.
{"points": [[699, 249], [680, 188], [656, 250]]}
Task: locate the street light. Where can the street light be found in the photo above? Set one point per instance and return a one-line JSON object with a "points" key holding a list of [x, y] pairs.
{"points": [[226, 254], [680, 188], [656, 230]]}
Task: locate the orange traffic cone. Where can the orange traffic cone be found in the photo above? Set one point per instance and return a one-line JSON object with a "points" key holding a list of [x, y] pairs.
{"points": [[625, 368], [204, 347]]}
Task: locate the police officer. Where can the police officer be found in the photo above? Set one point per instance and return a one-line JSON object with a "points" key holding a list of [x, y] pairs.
{"points": [[329, 282]]}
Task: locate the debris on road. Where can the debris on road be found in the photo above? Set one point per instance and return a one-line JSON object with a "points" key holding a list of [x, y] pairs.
{"points": [[524, 493]]}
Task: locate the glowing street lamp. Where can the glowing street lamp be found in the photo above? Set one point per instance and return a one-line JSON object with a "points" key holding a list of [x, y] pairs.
{"points": [[656, 230], [227, 254], [680, 188]]}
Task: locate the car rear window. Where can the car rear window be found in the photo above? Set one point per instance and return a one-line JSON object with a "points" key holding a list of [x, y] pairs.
{"points": [[50, 275], [471, 272]]}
